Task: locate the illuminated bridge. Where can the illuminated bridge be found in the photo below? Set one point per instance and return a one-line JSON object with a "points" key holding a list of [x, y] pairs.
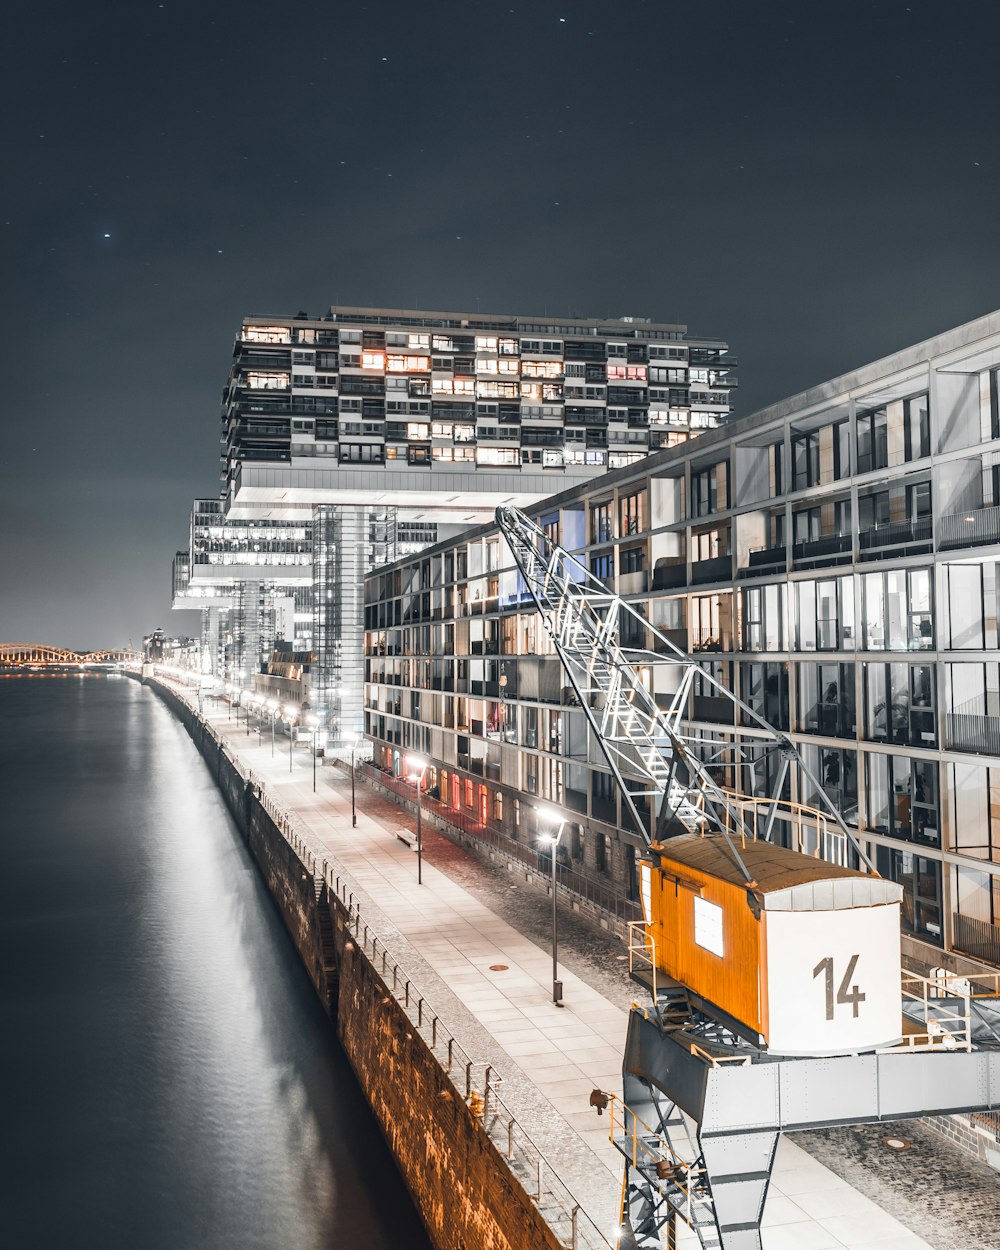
{"points": [[40, 655]]}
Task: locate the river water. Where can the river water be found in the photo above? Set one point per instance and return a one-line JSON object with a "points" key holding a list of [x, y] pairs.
{"points": [[170, 1079]]}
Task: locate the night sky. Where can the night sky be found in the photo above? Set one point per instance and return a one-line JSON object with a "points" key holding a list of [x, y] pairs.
{"points": [[817, 184]]}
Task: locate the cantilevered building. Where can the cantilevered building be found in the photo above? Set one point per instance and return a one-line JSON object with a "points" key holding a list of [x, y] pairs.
{"points": [[380, 431]]}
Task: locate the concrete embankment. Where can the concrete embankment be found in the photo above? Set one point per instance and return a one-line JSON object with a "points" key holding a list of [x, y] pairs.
{"points": [[476, 1178]]}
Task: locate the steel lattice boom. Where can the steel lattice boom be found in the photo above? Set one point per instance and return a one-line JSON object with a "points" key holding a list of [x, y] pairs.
{"points": [[646, 746]]}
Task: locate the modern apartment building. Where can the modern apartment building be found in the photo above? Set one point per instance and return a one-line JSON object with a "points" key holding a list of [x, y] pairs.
{"points": [[377, 431], [833, 559]]}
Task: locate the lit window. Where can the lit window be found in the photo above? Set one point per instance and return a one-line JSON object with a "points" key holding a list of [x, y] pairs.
{"points": [[442, 386], [267, 381], [486, 344], [373, 360], [708, 926], [266, 334], [417, 429]]}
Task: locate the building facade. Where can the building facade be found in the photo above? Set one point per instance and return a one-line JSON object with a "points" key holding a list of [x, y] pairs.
{"points": [[833, 559], [379, 431]]}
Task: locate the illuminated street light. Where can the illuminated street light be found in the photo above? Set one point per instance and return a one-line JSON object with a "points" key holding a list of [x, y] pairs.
{"points": [[291, 715], [354, 811], [419, 766], [312, 721], [272, 707], [548, 816]]}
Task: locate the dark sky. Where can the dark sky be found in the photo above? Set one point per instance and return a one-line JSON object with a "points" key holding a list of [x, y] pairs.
{"points": [[817, 183]]}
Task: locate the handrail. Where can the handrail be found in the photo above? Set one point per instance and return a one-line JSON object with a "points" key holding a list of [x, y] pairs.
{"points": [[551, 1197]]}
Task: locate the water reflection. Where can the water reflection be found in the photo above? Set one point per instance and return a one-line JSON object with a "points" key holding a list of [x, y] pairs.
{"points": [[176, 1081]]}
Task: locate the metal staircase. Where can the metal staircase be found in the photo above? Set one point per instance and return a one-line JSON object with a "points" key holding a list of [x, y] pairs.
{"points": [[651, 752]]}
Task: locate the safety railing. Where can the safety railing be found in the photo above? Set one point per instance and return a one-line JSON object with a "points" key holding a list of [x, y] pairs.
{"points": [[474, 1080], [943, 1007], [645, 1147], [477, 1082], [642, 952], [809, 830]]}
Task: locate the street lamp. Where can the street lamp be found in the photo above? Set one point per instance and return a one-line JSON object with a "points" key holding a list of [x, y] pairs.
{"points": [[354, 810], [291, 715], [312, 721], [552, 840], [419, 766], [272, 707]]}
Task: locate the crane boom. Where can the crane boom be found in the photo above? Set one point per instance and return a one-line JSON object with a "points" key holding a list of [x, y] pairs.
{"points": [[647, 748]]}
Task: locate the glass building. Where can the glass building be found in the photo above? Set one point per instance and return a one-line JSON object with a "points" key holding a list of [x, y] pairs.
{"points": [[375, 432], [832, 559]]}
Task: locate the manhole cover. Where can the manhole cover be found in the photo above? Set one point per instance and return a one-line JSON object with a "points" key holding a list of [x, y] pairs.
{"points": [[895, 1143], [498, 967]]}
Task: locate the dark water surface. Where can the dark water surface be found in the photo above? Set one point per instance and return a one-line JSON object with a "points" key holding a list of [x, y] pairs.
{"points": [[168, 1076]]}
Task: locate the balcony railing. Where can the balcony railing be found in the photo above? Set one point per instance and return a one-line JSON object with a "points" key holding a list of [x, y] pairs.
{"points": [[764, 560], [977, 938], [882, 539], [717, 569], [827, 549], [975, 528], [972, 727]]}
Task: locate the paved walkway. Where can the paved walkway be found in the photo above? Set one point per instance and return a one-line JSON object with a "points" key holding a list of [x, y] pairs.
{"points": [[492, 985]]}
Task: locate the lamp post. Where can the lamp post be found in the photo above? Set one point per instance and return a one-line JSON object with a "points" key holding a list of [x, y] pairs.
{"points": [[552, 840], [354, 810], [291, 716], [229, 700], [420, 766], [272, 707], [312, 721]]}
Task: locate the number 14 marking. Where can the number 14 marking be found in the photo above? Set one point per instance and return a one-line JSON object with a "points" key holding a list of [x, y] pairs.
{"points": [[845, 995]]}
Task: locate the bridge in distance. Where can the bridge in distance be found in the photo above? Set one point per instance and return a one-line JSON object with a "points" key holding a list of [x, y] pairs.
{"points": [[41, 655]]}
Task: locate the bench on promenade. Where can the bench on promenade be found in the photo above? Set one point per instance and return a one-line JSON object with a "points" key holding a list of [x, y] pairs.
{"points": [[408, 836]]}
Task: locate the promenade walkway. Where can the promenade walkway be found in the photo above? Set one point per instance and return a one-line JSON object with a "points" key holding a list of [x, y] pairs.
{"points": [[491, 985]]}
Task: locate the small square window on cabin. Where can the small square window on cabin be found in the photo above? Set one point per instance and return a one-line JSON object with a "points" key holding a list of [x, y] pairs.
{"points": [[708, 926]]}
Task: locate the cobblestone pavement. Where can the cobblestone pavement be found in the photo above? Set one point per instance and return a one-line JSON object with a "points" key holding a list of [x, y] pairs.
{"points": [[933, 1188]]}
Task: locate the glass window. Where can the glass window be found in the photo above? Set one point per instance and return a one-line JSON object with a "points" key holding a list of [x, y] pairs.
{"points": [[825, 614], [900, 704], [632, 514], [600, 523], [764, 618], [837, 772], [902, 798], [898, 611], [827, 700], [708, 926], [873, 446], [920, 878], [917, 427], [764, 688]]}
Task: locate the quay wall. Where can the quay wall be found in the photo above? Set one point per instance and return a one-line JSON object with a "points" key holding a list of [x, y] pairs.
{"points": [[439, 1111]]}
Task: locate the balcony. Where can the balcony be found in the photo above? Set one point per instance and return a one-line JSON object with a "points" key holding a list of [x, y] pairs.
{"points": [[826, 550], [764, 560], [896, 538], [670, 574], [970, 728], [977, 938], [977, 528], [719, 569]]}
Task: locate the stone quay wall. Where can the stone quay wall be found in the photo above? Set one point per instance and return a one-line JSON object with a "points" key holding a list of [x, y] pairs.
{"points": [[476, 1179]]}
